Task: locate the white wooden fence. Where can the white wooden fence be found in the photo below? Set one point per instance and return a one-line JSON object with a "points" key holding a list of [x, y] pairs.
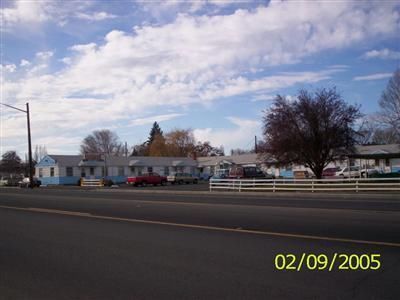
{"points": [[91, 182], [308, 185]]}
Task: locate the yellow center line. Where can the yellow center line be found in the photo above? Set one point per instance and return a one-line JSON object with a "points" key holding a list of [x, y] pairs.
{"points": [[206, 227]]}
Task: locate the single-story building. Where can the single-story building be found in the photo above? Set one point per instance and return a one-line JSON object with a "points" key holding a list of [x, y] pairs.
{"points": [[68, 169], [385, 158], [210, 165]]}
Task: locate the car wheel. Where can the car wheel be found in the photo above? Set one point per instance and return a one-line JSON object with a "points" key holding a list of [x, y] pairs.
{"points": [[180, 182], [195, 181], [144, 183]]}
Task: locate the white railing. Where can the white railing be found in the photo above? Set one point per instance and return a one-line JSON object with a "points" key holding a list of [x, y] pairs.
{"points": [[308, 185], [91, 182]]}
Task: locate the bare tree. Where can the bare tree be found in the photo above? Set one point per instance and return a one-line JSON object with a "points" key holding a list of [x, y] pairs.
{"points": [[389, 104], [240, 151], [366, 130], [40, 152], [206, 149], [383, 136], [313, 130], [102, 142], [158, 147], [180, 142]]}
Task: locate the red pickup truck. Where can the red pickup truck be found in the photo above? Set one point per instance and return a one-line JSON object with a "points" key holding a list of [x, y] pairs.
{"points": [[145, 179]]}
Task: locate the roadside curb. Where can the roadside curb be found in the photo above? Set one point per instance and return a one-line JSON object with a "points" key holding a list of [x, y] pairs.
{"points": [[266, 195]]}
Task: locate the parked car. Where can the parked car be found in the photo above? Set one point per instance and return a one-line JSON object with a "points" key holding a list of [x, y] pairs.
{"points": [[24, 183], [220, 174], [181, 178], [368, 172], [10, 180], [248, 172], [147, 178], [346, 173], [3, 181], [330, 172]]}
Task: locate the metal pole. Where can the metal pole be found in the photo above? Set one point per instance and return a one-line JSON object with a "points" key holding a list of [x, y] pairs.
{"points": [[30, 147]]}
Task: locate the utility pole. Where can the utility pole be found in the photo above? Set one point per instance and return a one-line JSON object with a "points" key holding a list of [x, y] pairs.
{"points": [[30, 147], [29, 140], [255, 144]]}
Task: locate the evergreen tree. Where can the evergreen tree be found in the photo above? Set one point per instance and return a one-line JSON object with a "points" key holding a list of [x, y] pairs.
{"points": [[155, 130]]}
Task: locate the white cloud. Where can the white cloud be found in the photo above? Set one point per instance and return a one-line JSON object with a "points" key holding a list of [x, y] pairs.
{"points": [[262, 97], [241, 135], [382, 54], [96, 16], [152, 119], [24, 63], [194, 59], [373, 76], [24, 11], [8, 68], [31, 14], [44, 55]]}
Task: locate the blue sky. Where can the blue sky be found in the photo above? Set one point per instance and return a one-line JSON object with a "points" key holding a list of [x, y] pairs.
{"points": [[212, 66]]}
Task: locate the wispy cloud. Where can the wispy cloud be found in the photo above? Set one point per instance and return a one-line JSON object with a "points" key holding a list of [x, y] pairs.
{"points": [[96, 16], [376, 76], [262, 97], [152, 119], [382, 54]]}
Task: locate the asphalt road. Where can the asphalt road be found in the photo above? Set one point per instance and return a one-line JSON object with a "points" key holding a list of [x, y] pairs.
{"points": [[73, 244]]}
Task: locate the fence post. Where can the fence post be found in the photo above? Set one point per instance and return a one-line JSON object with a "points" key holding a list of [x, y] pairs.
{"points": [[210, 184], [273, 187], [356, 186], [312, 186], [240, 186]]}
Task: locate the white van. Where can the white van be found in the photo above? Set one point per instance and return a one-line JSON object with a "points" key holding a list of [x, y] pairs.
{"points": [[345, 173]]}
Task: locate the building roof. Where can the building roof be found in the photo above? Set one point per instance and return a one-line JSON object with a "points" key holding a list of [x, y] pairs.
{"points": [[77, 160], [243, 159], [377, 151], [66, 160], [160, 161]]}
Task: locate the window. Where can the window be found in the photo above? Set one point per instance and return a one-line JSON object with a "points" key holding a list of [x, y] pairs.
{"points": [[132, 170], [103, 171], [83, 173], [387, 162], [91, 171], [377, 162], [166, 171], [51, 172], [69, 171], [139, 171], [40, 172], [120, 171], [150, 169]]}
